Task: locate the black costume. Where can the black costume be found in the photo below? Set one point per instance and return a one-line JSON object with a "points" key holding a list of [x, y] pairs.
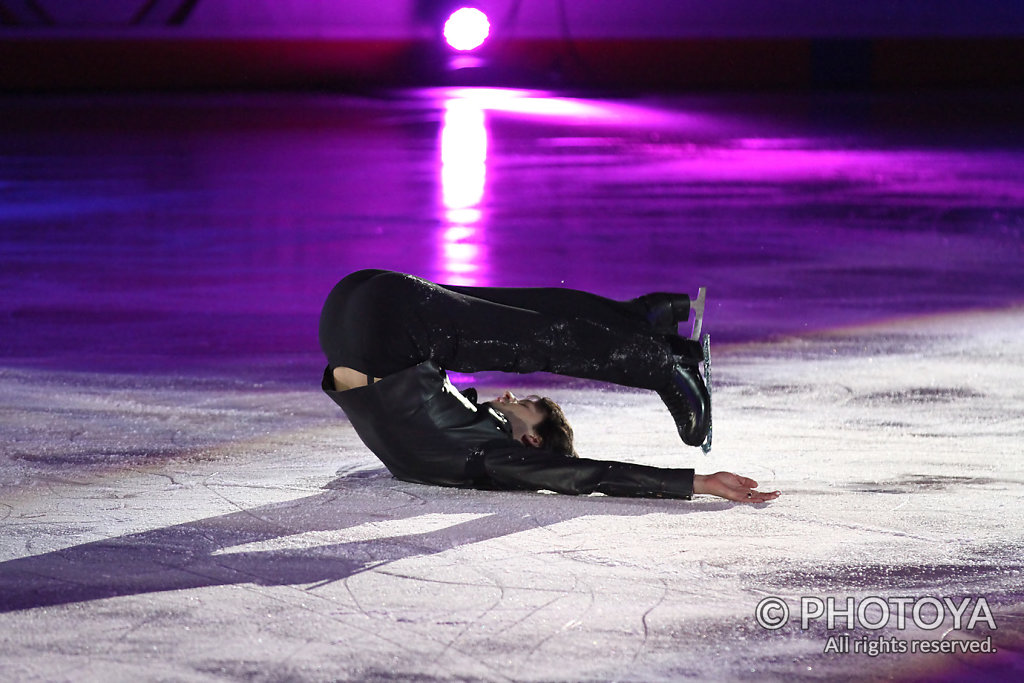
{"points": [[407, 331]]}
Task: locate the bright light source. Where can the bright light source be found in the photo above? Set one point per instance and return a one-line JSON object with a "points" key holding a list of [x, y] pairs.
{"points": [[463, 155], [466, 29]]}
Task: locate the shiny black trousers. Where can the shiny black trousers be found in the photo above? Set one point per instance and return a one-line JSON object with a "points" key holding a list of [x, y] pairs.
{"points": [[380, 322]]}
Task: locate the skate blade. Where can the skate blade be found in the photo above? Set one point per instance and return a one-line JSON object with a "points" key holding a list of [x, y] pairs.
{"points": [[706, 345], [697, 306]]}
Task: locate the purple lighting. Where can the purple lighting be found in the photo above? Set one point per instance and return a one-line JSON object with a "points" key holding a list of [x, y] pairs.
{"points": [[466, 29], [463, 154], [463, 148]]}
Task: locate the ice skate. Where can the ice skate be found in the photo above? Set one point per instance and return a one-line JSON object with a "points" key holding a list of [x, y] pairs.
{"points": [[688, 395], [689, 403], [686, 351], [697, 306], [665, 310], [706, 345]]}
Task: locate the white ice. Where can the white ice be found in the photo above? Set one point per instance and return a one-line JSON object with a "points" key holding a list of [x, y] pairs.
{"points": [[195, 531]]}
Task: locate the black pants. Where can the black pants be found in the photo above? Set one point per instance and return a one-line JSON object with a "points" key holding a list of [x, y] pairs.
{"points": [[381, 322]]}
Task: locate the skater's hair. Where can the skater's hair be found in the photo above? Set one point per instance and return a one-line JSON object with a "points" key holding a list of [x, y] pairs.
{"points": [[554, 431]]}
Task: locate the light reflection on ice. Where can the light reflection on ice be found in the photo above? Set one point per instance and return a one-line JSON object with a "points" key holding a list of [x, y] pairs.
{"points": [[462, 257]]}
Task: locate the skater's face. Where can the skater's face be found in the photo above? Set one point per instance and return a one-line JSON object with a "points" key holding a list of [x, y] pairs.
{"points": [[523, 414]]}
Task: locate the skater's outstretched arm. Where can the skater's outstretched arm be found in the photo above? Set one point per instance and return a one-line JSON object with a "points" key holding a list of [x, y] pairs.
{"points": [[518, 467], [533, 469]]}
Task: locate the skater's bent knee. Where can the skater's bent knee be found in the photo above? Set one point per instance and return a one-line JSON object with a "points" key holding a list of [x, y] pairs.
{"points": [[360, 276]]}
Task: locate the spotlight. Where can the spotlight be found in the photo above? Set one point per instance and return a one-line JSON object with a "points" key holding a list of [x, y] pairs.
{"points": [[466, 29]]}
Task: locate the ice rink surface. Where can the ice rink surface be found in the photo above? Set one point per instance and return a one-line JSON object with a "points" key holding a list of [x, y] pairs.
{"points": [[178, 501]]}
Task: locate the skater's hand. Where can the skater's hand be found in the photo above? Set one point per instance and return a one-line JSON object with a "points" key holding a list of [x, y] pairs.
{"points": [[731, 487]]}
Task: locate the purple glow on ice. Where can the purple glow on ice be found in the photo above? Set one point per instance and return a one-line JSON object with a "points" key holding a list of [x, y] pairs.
{"points": [[532, 103], [463, 154], [466, 29], [540, 105], [462, 257]]}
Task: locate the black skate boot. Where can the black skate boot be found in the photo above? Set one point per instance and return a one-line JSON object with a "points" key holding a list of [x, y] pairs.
{"points": [[686, 351], [665, 310], [689, 403]]}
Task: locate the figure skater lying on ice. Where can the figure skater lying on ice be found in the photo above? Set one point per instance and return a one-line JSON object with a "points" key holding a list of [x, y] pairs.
{"points": [[389, 338]]}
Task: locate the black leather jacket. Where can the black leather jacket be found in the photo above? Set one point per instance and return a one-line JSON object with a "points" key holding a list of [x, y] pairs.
{"points": [[426, 431]]}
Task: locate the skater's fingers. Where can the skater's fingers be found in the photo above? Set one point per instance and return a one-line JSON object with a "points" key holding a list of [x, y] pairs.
{"points": [[759, 496], [732, 487], [747, 481]]}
